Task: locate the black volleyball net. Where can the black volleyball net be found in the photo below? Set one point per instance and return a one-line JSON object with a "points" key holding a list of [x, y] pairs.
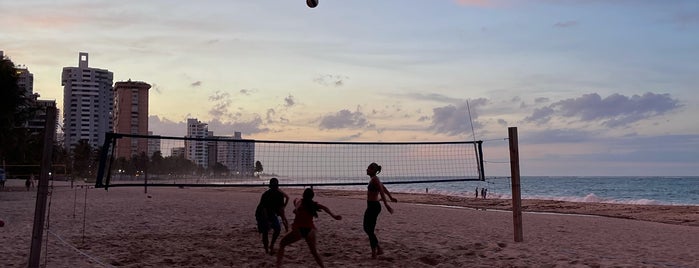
{"points": [[138, 160]]}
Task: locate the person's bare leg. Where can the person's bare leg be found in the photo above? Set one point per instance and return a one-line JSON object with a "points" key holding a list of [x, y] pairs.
{"points": [[288, 239], [265, 241], [275, 235], [311, 241]]}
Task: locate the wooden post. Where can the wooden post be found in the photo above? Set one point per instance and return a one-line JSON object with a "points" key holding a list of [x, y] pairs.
{"points": [[42, 188], [516, 191]]}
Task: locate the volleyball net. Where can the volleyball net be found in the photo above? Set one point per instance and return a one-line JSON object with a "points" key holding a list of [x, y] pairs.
{"points": [[138, 160]]}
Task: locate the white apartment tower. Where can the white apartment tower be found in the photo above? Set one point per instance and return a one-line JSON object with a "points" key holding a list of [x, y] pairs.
{"points": [[153, 145], [88, 103], [238, 156], [195, 150]]}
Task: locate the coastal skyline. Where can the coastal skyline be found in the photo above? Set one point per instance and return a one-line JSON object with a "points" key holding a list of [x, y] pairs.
{"points": [[594, 87]]}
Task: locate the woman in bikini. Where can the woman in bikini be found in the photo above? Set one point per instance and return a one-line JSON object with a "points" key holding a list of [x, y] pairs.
{"points": [[376, 192], [305, 209]]}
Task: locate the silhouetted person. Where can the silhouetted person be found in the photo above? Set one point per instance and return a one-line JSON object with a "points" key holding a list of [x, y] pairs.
{"points": [[27, 183], [305, 209], [376, 192], [271, 206]]}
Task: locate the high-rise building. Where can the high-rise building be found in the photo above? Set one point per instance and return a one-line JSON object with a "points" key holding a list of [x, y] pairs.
{"points": [[196, 150], [131, 117], [238, 156], [177, 152], [88, 103], [25, 81], [153, 145]]}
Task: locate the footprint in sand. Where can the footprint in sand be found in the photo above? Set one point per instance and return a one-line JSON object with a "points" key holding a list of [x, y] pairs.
{"points": [[431, 259]]}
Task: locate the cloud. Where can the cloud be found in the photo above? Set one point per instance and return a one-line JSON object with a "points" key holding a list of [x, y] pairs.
{"points": [[270, 115], [434, 97], [252, 126], [454, 119], [540, 115], [613, 111], [541, 100], [476, 3], [221, 101], [331, 80], [685, 19], [289, 101], [155, 87], [344, 119], [166, 127], [565, 24], [350, 137], [196, 84]]}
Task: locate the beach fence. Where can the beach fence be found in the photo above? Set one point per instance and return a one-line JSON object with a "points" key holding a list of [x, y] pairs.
{"points": [[128, 160]]}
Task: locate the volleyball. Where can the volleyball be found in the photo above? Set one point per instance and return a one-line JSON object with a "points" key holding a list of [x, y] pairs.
{"points": [[312, 3]]}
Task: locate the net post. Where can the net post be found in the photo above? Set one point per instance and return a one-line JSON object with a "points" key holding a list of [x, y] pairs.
{"points": [[103, 160], [481, 170], [516, 191], [42, 188]]}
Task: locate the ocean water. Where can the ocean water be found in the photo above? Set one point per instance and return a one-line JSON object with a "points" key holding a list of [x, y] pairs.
{"points": [[623, 190]]}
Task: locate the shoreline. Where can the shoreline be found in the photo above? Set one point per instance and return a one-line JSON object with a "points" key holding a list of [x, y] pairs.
{"points": [[687, 215], [670, 214]]}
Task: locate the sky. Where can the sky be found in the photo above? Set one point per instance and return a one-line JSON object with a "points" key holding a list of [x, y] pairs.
{"points": [[594, 88]]}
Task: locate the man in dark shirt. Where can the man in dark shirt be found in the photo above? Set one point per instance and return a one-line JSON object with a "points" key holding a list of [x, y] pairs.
{"points": [[270, 208]]}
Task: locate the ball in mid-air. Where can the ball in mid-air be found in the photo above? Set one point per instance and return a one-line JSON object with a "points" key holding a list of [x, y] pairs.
{"points": [[312, 3]]}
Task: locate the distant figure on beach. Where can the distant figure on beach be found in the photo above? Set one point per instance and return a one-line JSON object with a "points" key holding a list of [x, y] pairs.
{"points": [[476, 192], [28, 183], [305, 209], [270, 208], [2, 179], [483, 193], [376, 192]]}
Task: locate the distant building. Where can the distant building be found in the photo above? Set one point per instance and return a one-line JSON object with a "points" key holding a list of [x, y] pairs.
{"points": [[237, 156], [25, 82], [37, 123], [195, 150], [177, 152], [131, 117], [153, 145], [88, 103]]}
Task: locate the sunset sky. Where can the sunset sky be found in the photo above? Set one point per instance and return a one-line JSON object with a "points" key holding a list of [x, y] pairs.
{"points": [[595, 87]]}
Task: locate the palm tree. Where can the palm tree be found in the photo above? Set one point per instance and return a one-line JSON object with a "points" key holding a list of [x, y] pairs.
{"points": [[258, 168]]}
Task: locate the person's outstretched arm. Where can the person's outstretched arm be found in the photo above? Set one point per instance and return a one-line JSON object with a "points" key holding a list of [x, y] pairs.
{"points": [[388, 193], [327, 210], [383, 197]]}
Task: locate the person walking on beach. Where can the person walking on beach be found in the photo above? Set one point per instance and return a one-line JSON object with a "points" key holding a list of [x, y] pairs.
{"points": [[376, 192], [28, 183], [271, 206], [305, 209], [476, 192]]}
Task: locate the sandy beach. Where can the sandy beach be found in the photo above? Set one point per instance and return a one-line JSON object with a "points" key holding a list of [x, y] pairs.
{"points": [[215, 227]]}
